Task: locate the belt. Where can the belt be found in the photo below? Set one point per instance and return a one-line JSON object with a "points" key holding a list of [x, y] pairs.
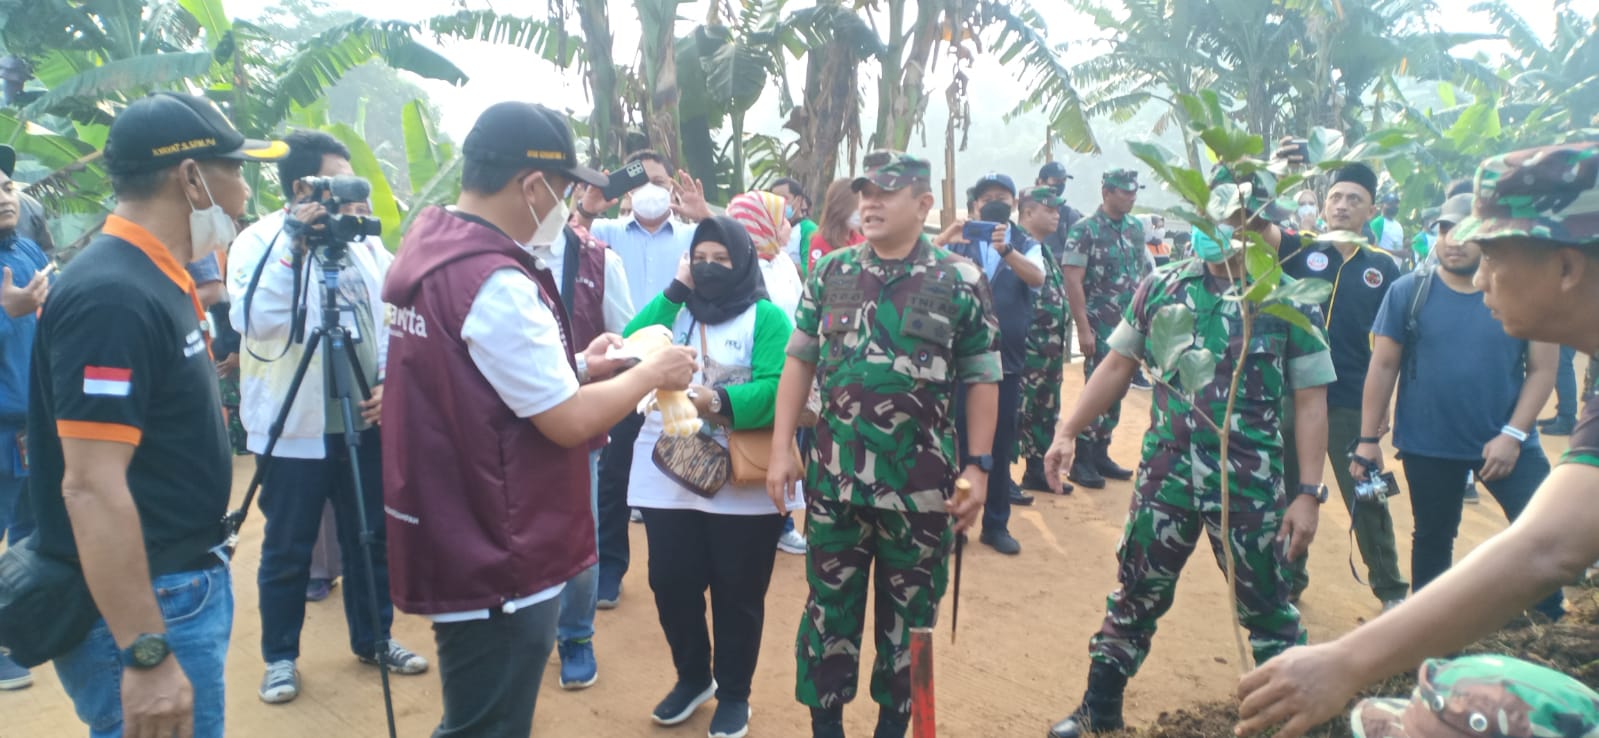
{"points": [[204, 561]]}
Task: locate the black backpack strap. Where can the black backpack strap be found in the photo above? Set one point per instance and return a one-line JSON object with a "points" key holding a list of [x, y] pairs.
{"points": [[1424, 278]]}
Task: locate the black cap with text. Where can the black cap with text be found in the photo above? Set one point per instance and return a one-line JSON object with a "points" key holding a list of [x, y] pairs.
{"points": [[164, 128], [531, 135]]}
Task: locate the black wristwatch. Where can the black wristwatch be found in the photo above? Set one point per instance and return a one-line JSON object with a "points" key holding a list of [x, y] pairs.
{"points": [[1318, 491], [1008, 249], [984, 462], [146, 652]]}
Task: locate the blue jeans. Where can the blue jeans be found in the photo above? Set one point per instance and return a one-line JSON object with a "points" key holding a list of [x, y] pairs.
{"points": [[198, 609], [292, 497], [578, 600], [16, 518], [1566, 384]]}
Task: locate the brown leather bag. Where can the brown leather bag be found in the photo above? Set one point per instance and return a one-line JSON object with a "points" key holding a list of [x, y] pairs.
{"points": [[752, 453]]}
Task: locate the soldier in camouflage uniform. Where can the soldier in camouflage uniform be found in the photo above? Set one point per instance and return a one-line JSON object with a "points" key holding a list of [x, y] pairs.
{"points": [[1046, 344], [1177, 498], [1103, 263], [1473, 695], [889, 329]]}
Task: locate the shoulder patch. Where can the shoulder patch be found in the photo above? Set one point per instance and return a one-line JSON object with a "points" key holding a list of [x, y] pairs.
{"points": [[1373, 277]]}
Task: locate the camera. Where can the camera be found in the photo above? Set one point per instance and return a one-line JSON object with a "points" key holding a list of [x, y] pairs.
{"points": [[338, 229], [1377, 487]]}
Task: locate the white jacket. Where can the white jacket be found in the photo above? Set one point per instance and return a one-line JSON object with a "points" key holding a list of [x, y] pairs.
{"points": [[264, 384]]}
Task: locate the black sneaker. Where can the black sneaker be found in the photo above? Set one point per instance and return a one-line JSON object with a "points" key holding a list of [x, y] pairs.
{"points": [[732, 720], [1001, 541], [681, 702], [1018, 497]]}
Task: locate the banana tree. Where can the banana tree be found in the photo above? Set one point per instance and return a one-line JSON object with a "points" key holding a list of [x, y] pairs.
{"points": [[834, 40], [658, 61], [723, 69]]}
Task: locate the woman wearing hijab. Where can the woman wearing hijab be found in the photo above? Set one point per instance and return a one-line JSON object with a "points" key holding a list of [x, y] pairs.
{"points": [[761, 214], [726, 542]]}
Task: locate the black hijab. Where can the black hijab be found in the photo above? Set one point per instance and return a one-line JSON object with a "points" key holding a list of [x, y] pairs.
{"points": [[734, 290]]}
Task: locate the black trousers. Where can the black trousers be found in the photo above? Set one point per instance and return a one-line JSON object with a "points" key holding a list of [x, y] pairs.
{"points": [[732, 556], [490, 671], [996, 510], [616, 464]]}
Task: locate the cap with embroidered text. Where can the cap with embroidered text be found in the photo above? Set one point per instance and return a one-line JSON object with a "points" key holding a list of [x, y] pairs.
{"points": [[531, 135], [164, 128], [893, 170]]}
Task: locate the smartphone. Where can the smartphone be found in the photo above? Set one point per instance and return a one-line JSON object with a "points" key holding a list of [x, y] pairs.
{"points": [[48, 269], [978, 230], [630, 178], [1302, 149]]}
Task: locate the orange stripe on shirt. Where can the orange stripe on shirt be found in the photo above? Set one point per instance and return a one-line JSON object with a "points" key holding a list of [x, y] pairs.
{"points": [[85, 430]]}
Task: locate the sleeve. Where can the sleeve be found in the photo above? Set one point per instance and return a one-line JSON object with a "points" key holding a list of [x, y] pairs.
{"points": [[1079, 245], [1130, 337], [803, 343], [102, 366], [1390, 321], [754, 403], [1034, 254], [382, 259], [977, 330], [515, 342], [1310, 361], [618, 300], [205, 270], [662, 310], [268, 310]]}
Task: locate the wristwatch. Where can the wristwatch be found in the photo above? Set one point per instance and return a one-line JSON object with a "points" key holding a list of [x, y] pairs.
{"points": [[716, 402], [146, 652], [985, 462], [1318, 491]]}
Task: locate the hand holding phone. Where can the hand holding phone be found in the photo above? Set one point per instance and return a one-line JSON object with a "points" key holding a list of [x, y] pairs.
{"points": [[978, 230], [630, 178]]}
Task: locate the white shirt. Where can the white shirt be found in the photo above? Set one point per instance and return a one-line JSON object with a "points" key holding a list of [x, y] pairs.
{"points": [[617, 300], [515, 342], [783, 285]]}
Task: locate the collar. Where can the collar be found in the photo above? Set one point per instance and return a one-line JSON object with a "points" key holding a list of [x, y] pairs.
{"points": [[1120, 223], [117, 226], [670, 226], [921, 253]]}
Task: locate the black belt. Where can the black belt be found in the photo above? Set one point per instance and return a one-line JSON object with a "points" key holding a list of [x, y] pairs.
{"points": [[204, 561]]}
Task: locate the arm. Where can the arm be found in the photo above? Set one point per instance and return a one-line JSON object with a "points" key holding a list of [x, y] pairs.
{"points": [[1075, 297], [793, 389], [1381, 376], [1028, 265], [661, 310], [753, 403], [105, 524], [1109, 384], [982, 417], [1502, 451], [1310, 433], [211, 293], [597, 406]]}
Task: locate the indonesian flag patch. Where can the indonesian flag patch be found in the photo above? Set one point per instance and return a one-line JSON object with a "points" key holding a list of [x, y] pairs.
{"points": [[107, 381]]}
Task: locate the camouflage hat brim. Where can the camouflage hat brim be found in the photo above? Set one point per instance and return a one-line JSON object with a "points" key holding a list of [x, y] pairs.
{"points": [[1473, 228], [1379, 718], [1549, 194], [889, 183]]}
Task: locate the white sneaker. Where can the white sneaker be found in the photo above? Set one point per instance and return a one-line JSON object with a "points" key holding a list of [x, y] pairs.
{"points": [[281, 683], [792, 542], [636, 516]]}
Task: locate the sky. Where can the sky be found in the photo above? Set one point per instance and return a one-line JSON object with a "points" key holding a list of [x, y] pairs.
{"points": [[499, 73]]}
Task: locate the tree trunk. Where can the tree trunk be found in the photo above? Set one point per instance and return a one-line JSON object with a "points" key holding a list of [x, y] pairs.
{"points": [[829, 115], [901, 96], [660, 75], [607, 141]]}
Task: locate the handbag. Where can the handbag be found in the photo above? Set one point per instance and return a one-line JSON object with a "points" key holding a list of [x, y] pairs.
{"points": [[751, 451], [697, 462], [45, 606]]}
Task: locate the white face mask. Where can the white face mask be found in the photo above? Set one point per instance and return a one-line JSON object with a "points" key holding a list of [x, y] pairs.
{"points": [[209, 229], [855, 220], [652, 202], [550, 227]]}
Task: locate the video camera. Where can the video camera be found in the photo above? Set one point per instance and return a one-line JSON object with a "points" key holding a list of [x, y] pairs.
{"points": [[338, 230]]}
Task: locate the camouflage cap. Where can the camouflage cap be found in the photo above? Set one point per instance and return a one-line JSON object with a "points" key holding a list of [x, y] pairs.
{"points": [[894, 170], [1042, 195], [1122, 179], [1488, 696], [1549, 193]]}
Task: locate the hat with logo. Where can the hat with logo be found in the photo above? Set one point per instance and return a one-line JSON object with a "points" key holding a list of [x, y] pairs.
{"points": [[1122, 179], [1454, 210], [1257, 190], [8, 159], [164, 128], [893, 170], [994, 179], [1053, 170], [1549, 193], [530, 135], [1487, 696]]}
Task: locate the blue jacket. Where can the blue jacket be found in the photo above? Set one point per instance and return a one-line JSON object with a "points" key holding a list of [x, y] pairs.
{"points": [[24, 257]]}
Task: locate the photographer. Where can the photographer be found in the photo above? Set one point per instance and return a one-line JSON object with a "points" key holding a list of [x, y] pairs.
{"points": [[278, 297]]}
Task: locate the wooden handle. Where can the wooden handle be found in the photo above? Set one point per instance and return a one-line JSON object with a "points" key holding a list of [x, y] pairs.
{"points": [[963, 489]]}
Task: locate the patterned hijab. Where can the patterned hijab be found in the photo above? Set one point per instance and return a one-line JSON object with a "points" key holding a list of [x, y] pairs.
{"points": [[761, 214]]}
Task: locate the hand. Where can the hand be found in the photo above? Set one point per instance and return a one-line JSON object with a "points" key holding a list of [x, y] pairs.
{"points": [[783, 474], [307, 213], [593, 200], [952, 234], [1001, 238], [601, 367], [1370, 451], [967, 505], [1085, 343], [673, 367], [158, 702], [700, 395], [1499, 458], [1058, 459], [228, 365], [1300, 689], [1288, 151], [1299, 525], [685, 271], [27, 299], [690, 199], [372, 407]]}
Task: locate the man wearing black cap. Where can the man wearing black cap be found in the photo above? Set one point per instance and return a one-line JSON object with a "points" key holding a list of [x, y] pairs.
{"points": [[488, 415], [1053, 175], [1014, 265], [123, 393], [1361, 276]]}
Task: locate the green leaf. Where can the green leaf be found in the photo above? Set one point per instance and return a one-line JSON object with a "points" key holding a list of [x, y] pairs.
{"points": [[421, 153], [1289, 313], [1196, 367], [211, 17], [384, 207], [1446, 94], [444, 188], [1187, 183], [122, 78], [1325, 143], [1302, 292], [1259, 256], [1225, 199], [1231, 144], [1170, 333]]}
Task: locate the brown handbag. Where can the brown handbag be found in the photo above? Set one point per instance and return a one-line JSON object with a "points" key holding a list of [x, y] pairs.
{"points": [[752, 453]]}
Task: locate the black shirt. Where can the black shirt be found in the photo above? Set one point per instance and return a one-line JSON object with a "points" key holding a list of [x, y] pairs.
{"points": [[121, 356], [1358, 289]]}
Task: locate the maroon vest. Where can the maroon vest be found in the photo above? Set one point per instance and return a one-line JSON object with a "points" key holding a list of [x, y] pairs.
{"points": [[588, 294], [481, 507]]}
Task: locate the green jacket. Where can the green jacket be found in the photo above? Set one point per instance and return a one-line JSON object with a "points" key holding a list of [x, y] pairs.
{"points": [[754, 402]]}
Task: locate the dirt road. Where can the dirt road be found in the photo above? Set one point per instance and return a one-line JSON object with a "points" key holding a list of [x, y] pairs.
{"points": [[1019, 666]]}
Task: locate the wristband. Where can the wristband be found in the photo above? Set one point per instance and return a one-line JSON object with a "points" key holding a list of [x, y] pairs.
{"points": [[1514, 432], [582, 369], [586, 214], [1368, 439]]}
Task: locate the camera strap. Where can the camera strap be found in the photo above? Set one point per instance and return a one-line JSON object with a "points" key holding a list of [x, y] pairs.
{"points": [[569, 265], [249, 295]]}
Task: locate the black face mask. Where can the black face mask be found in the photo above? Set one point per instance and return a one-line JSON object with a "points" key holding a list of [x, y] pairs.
{"points": [[1060, 189], [713, 281]]}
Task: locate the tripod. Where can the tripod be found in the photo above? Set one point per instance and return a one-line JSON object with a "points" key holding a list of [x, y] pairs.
{"points": [[342, 379]]}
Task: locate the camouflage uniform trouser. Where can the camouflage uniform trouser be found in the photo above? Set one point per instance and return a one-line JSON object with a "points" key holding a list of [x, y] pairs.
{"points": [[1099, 431], [911, 552], [1155, 545], [1040, 410]]}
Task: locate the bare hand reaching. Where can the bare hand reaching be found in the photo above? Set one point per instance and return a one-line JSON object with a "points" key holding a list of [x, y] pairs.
{"points": [[27, 299]]}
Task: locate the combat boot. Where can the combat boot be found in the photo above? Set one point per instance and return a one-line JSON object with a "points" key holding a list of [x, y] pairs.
{"points": [[1035, 479], [891, 724], [1083, 469], [1107, 468], [1101, 710], [827, 723]]}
